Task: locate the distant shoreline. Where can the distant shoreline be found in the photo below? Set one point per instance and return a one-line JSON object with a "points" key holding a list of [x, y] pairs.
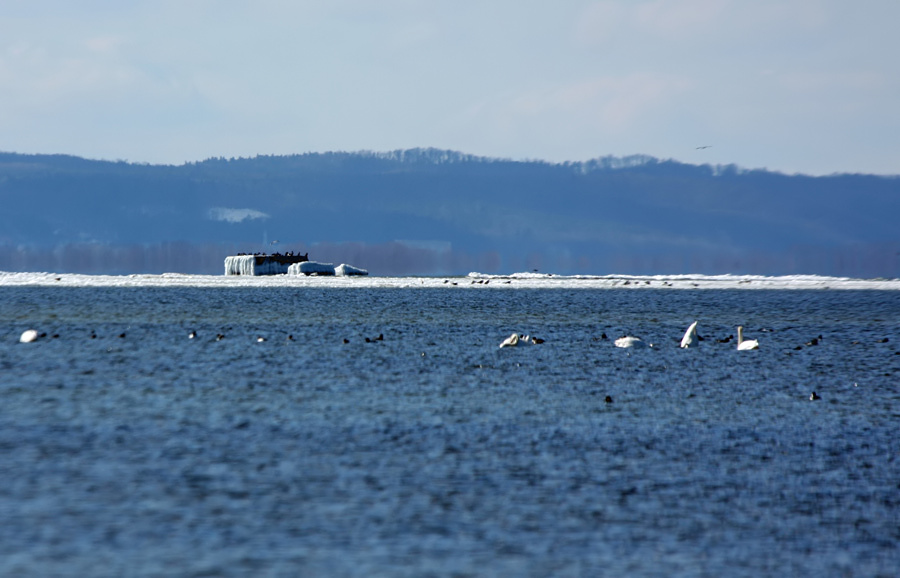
{"points": [[472, 281]]}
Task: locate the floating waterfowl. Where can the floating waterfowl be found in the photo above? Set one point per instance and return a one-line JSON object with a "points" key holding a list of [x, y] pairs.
{"points": [[745, 344], [629, 341], [689, 336], [516, 339], [511, 341], [814, 397], [28, 336]]}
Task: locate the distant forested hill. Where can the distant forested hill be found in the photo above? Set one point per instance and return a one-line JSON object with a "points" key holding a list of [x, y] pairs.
{"points": [[427, 211]]}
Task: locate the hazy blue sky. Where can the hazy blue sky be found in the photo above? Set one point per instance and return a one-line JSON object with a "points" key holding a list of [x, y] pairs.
{"points": [[807, 86]]}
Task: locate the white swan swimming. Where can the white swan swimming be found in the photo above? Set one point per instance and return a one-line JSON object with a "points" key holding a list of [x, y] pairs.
{"points": [[629, 341], [516, 339], [689, 336], [745, 344], [28, 336], [511, 341]]}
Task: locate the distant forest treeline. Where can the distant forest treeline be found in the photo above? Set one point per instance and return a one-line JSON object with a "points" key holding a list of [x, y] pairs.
{"points": [[427, 211], [208, 259], [400, 259]]}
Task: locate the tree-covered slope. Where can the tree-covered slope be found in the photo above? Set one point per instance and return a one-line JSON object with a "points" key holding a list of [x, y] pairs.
{"points": [[573, 217]]}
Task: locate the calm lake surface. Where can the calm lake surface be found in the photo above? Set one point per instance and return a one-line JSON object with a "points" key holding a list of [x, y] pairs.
{"points": [[128, 449]]}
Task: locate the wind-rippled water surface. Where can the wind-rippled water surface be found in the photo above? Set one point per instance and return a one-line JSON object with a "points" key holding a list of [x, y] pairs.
{"points": [[127, 448]]}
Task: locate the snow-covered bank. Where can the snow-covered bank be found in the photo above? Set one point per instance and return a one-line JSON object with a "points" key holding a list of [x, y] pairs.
{"points": [[472, 281]]}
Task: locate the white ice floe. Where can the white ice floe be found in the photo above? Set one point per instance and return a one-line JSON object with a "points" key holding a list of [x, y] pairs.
{"points": [[496, 282], [326, 269], [311, 268], [344, 270]]}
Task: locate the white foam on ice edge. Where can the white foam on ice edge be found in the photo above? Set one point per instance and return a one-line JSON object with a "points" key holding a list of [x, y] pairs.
{"points": [[471, 281]]}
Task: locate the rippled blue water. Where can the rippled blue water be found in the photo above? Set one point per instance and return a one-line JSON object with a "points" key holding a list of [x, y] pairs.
{"points": [[141, 452]]}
